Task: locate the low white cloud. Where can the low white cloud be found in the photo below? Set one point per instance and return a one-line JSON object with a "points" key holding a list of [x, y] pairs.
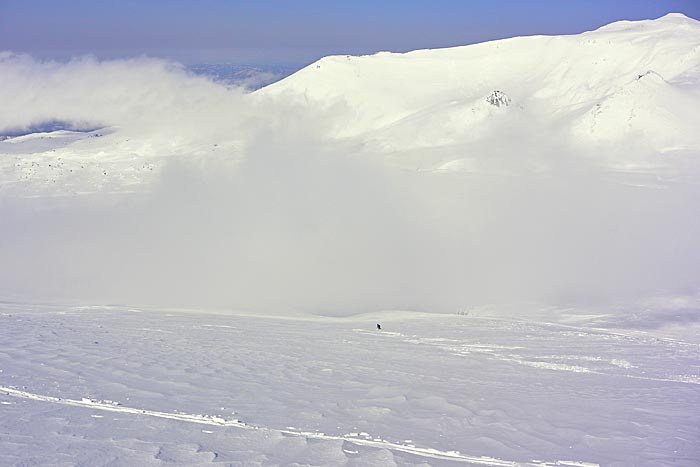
{"points": [[297, 220], [84, 90]]}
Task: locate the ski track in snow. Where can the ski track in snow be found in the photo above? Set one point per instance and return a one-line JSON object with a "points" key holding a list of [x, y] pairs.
{"points": [[504, 353], [355, 439]]}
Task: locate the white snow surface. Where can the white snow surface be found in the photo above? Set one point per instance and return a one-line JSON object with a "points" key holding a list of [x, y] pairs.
{"points": [[546, 188], [624, 78], [83, 385]]}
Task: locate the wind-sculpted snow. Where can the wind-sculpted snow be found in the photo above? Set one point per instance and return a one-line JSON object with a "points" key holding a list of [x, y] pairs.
{"points": [[117, 386], [352, 439]]}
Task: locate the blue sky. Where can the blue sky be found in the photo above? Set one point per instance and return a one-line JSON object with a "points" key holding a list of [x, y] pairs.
{"points": [[220, 31]]}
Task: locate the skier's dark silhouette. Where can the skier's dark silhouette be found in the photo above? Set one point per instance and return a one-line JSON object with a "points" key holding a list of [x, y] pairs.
{"points": [[379, 326]]}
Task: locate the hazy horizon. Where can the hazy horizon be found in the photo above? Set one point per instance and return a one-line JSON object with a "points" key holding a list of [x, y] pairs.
{"points": [[265, 33]]}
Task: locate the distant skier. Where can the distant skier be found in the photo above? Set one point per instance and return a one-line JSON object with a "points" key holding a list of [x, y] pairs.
{"points": [[379, 326]]}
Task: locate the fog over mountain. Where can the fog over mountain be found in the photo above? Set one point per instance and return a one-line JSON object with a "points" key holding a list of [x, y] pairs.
{"points": [[558, 170], [475, 256]]}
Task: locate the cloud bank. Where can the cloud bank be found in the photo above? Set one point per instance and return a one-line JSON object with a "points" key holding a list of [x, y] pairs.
{"points": [[298, 220]]}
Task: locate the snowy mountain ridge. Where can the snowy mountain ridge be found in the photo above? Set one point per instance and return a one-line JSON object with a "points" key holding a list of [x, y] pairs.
{"points": [[560, 80], [626, 94]]}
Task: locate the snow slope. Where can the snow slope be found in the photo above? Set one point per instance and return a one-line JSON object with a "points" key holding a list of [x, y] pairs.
{"points": [[619, 82], [122, 387]]}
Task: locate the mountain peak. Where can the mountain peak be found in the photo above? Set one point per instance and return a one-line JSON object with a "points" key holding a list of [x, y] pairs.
{"points": [[669, 20], [676, 16], [677, 19]]}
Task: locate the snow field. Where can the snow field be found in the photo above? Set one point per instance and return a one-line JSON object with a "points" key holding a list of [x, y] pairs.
{"points": [[194, 388], [538, 168]]}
